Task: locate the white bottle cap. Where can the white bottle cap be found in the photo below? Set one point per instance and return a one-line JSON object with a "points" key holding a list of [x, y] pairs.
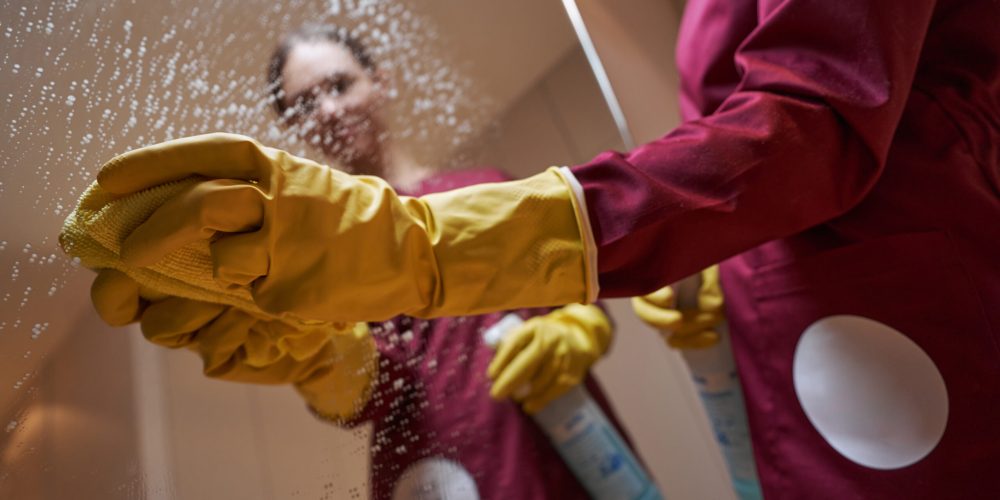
{"points": [[494, 334]]}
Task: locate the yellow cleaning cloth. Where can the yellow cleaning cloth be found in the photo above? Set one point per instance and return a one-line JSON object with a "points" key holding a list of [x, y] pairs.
{"points": [[94, 232]]}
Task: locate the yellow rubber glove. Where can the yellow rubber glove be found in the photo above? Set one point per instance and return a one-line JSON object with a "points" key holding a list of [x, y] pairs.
{"points": [[549, 355], [688, 328], [325, 245], [331, 367]]}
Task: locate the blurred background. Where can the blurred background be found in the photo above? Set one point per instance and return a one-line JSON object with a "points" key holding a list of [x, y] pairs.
{"points": [[89, 411]]}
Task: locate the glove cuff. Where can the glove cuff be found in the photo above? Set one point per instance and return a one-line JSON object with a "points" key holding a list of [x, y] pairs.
{"points": [[504, 246]]}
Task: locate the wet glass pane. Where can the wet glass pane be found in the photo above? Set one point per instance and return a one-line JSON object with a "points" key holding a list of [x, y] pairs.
{"points": [[90, 411]]}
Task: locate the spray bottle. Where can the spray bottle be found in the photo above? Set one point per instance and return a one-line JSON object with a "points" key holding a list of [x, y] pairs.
{"points": [[718, 384], [587, 442]]}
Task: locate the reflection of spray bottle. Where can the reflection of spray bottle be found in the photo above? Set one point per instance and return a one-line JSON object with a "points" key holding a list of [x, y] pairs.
{"points": [[714, 373], [587, 442]]}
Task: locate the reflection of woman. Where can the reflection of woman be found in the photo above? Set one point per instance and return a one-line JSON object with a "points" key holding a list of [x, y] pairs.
{"points": [[436, 429], [840, 160]]}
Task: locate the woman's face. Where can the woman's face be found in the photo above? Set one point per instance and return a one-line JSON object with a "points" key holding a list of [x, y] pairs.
{"points": [[335, 101]]}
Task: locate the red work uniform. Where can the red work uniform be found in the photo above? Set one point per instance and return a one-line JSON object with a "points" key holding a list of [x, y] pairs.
{"points": [[839, 158], [431, 409]]}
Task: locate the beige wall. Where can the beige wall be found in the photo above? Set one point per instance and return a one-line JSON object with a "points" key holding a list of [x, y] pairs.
{"points": [[635, 40], [561, 120], [227, 440], [71, 435]]}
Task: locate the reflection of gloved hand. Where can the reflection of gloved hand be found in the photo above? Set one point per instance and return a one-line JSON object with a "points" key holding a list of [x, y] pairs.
{"points": [[549, 355], [326, 245], [689, 328], [331, 367]]}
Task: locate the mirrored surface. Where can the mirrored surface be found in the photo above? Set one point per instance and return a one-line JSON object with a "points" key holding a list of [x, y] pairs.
{"points": [[90, 411]]}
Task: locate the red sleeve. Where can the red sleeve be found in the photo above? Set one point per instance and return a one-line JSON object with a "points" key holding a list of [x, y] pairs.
{"points": [[801, 140], [708, 74]]}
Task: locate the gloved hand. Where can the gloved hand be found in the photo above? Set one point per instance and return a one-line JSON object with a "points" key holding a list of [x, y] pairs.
{"points": [[331, 367], [549, 355], [325, 245], [688, 328]]}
